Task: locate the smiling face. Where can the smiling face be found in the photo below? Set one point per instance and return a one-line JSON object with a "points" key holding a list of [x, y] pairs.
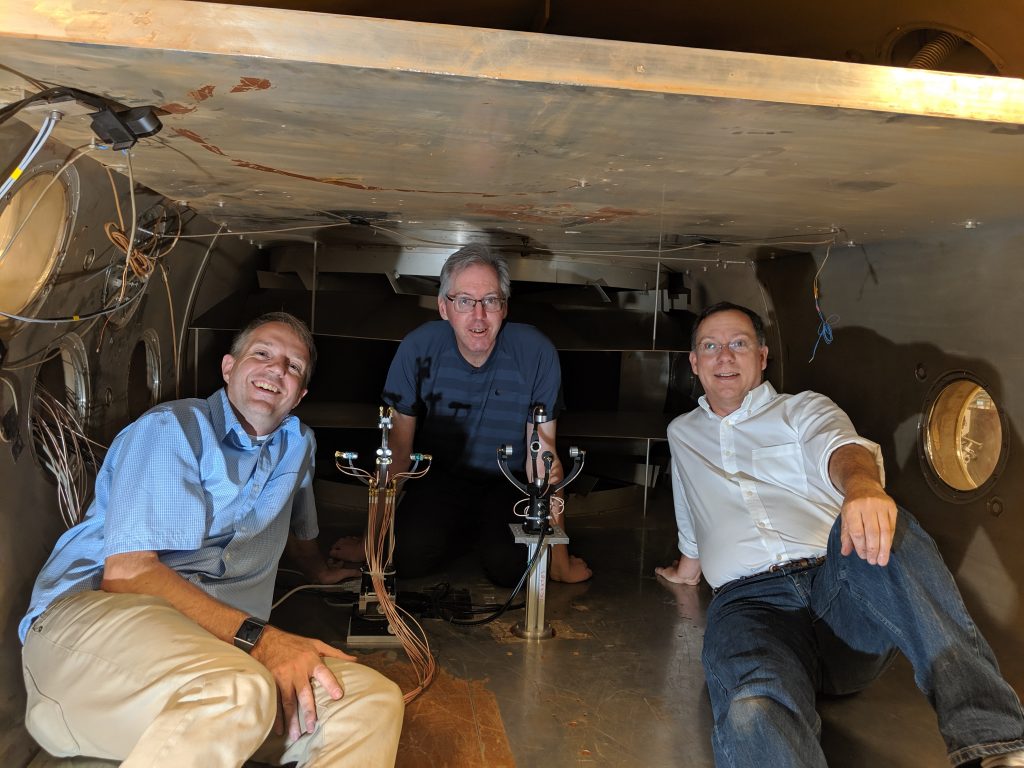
{"points": [[728, 374], [267, 379], [477, 330]]}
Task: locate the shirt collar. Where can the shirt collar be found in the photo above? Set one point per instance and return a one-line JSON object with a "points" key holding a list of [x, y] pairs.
{"points": [[226, 423], [755, 399]]}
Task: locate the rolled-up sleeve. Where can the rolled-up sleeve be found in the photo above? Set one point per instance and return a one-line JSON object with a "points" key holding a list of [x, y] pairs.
{"points": [[824, 427]]}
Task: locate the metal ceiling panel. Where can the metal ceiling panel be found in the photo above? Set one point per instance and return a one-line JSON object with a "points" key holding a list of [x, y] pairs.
{"points": [[275, 116]]}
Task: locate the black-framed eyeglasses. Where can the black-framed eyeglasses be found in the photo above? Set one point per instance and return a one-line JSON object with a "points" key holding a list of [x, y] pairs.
{"points": [[463, 303]]}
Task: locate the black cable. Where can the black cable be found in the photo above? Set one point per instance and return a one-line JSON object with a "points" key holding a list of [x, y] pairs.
{"points": [[511, 597], [437, 602], [6, 113]]}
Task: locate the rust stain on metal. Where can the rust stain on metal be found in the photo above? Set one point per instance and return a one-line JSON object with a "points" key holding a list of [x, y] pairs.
{"points": [[202, 94], [614, 214], [325, 180], [175, 108], [456, 719], [193, 136], [529, 214], [332, 180], [251, 84]]}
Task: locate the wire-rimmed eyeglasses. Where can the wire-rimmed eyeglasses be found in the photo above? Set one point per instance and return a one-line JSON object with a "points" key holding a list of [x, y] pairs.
{"points": [[463, 303]]}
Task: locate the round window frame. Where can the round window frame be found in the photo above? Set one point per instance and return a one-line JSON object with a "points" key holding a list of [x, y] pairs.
{"points": [[153, 375], [896, 36], [938, 485], [67, 176]]}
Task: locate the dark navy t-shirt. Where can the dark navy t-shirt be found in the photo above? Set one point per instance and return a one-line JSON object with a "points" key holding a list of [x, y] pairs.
{"points": [[464, 413]]}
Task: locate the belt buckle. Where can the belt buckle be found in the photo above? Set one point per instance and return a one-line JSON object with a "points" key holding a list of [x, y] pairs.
{"points": [[802, 562]]}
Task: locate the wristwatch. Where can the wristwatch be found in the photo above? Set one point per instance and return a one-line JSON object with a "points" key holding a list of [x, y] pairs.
{"points": [[249, 633]]}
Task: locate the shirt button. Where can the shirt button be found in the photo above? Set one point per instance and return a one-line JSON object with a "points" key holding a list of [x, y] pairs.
{"points": [[256, 487]]}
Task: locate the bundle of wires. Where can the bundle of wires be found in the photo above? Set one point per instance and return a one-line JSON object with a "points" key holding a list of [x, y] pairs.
{"points": [[66, 452], [37, 144], [380, 545]]}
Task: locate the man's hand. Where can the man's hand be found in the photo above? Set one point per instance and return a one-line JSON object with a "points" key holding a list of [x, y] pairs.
{"points": [[868, 519], [685, 570], [868, 514], [295, 662]]}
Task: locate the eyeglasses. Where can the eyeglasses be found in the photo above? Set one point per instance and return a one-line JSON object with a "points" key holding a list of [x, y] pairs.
{"points": [[715, 348], [463, 303]]}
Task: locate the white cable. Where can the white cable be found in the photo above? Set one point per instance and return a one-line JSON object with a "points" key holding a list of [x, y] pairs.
{"points": [[37, 144], [14, 392], [343, 587]]}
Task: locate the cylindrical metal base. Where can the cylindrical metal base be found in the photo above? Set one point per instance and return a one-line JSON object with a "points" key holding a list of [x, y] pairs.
{"points": [[519, 630]]}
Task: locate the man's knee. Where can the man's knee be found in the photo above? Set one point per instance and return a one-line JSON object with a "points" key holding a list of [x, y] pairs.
{"points": [[377, 692], [256, 691], [754, 715]]}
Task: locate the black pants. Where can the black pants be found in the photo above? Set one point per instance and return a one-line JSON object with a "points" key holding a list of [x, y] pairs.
{"points": [[441, 518]]}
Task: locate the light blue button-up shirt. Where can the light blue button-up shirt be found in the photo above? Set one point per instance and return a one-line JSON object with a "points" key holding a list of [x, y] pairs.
{"points": [[186, 481]]}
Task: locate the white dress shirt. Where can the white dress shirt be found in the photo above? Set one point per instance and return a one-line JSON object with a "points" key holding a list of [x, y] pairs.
{"points": [[752, 489]]}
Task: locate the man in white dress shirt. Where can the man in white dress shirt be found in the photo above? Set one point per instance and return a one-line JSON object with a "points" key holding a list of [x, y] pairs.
{"points": [[818, 577]]}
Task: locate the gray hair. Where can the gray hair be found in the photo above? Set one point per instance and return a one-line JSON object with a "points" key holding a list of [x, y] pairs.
{"points": [[728, 306], [300, 328], [468, 256]]}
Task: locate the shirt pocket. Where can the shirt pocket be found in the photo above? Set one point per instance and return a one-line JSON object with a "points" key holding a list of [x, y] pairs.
{"points": [[781, 465]]}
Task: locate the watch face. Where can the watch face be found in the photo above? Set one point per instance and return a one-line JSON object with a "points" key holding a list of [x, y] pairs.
{"points": [[249, 633]]}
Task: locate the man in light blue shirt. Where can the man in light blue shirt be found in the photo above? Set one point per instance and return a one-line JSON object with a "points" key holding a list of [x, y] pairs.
{"points": [[146, 638]]}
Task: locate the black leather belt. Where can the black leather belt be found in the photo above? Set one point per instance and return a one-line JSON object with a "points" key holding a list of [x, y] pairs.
{"points": [[788, 567], [797, 565]]}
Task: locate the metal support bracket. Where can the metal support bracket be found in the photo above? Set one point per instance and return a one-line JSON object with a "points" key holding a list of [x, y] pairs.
{"points": [[535, 628]]}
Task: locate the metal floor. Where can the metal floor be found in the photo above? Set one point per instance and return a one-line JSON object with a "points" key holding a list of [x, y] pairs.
{"points": [[620, 685]]}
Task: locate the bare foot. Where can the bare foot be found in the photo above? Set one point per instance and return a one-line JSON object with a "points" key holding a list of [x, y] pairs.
{"points": [[576, 571], [349, 549], [681, 571]]}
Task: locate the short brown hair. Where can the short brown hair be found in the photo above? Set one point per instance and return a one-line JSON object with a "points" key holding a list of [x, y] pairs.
{"points": [[300, 328]]}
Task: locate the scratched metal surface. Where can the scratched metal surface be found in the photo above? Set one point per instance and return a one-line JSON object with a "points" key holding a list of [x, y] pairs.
{"points": [[280, 116]]}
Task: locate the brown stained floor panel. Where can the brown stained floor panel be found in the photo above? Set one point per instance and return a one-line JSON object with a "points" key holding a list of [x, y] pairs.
{"points": [[455, 722]]}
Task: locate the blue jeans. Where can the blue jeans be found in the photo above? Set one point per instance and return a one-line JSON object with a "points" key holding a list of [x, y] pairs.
{"points": [[774, 640]]}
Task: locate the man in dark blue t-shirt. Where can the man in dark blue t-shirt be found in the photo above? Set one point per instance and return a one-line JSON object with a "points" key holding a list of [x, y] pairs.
{"points": [[462, 386]]}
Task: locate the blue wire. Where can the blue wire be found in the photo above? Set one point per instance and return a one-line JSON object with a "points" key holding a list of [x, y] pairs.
{"points": [[824, 330]]}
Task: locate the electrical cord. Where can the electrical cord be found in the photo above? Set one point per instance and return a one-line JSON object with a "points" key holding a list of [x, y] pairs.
{"points": [[9, 111], [379, 548], [325, 588], [825, 324], [74, 318], [37, 144], [65, 451], [526, 574], [14, 392]]}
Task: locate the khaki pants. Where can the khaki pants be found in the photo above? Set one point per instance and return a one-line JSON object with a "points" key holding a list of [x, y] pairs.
{"points": [[127, 677]]}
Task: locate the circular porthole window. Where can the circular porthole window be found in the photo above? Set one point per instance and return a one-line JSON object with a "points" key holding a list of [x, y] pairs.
{"points": [[36, 220], [144, 375], [940, 48], [963, 438]]}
